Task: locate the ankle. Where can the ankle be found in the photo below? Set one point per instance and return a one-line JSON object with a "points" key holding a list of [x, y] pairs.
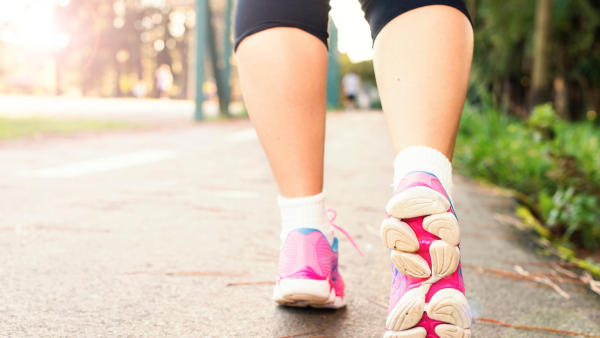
{"points": [[304, 212], [422, 158]]}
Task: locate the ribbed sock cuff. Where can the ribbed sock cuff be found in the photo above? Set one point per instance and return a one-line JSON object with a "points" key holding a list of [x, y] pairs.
{"points": [[304, 212], [422, 158]]}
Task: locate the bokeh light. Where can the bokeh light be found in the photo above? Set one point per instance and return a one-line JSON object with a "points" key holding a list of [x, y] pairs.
{"points": [[156, 18], [147, 22], [30, 24], [122, 55], [176, 23], [159, 45], [145, 37], [190, 18], [118, 22], [119, 7], [153, 3]]}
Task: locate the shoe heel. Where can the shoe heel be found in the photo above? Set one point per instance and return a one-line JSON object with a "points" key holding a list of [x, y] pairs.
{"points": [[311, 291], [417, 201], [408, 311]]}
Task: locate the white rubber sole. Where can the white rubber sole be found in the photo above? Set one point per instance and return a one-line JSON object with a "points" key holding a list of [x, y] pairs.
{"points": [[417, 201], [445, 226], [444, 261], [447, 305], [452, 331], [442, 330], [307, 292], [398, 235], [417, 332]]}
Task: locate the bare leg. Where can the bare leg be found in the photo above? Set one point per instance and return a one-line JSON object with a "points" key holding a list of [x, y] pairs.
{"points": [[422, 64], [283, 75]]}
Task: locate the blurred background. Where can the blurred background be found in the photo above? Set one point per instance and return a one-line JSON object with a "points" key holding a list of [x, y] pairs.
{"points": [[96, 48], [103, 48], [525, 54], [530, 124]]}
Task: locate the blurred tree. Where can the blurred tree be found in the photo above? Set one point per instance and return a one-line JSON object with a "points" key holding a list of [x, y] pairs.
{"points": [[504, 54], [364, 69], [115, 44], [540, 83]]}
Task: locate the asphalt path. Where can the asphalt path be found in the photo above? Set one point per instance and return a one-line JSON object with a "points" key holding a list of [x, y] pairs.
{"points": [[139, 234]]}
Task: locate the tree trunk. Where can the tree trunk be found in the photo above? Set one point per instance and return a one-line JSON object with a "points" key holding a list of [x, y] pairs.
{"points": [[560, 97], [540, 79], [561, 83]]}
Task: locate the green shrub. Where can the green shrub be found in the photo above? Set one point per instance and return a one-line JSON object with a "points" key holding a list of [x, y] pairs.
{"points": [[553, 163]]}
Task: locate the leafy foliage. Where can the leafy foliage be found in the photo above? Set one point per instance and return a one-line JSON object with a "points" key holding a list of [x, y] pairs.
{"points": [[503, 37], [555, 164], [364, 69]]}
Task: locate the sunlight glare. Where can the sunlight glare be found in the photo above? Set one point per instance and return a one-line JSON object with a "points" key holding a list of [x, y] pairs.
{"points": [[29, 24], [61, 42], [353, 30]]}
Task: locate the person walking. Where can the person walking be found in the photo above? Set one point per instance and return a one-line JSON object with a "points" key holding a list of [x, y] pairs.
{"points": [[423, 52], [164, 81], [351, 87]]}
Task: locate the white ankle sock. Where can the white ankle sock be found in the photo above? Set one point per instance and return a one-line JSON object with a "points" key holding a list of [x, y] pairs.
{"points": [[421, 158], [304, 212]]}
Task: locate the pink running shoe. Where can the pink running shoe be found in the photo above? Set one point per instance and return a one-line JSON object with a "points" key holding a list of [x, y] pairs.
{"points": [[428, 294], [308, 270]]}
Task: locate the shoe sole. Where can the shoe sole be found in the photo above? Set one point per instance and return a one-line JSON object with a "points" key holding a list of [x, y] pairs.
{"points": [[307, 292], [442, 330], [417, 201], [447, 305]]}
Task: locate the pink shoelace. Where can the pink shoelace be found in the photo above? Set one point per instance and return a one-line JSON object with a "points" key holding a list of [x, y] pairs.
{"points": [[344, 232]]}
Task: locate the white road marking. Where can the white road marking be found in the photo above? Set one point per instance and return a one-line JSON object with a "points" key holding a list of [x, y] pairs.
{"points": [[240, 136], [237, 194], [104, 164]]}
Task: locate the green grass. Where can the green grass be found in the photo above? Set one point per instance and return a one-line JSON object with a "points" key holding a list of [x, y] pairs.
{"points": [[16, 128]]}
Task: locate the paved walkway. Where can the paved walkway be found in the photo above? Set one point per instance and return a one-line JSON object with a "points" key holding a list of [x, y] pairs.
{"points": [[138, 235], [125, 109]]}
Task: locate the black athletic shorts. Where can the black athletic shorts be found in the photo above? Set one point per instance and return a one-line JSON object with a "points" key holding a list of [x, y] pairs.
{"points": [[312, 16]]}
